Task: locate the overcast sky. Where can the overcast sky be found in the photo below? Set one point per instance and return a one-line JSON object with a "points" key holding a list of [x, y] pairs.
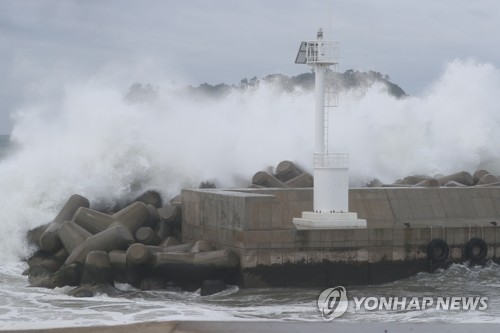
{"points": [[46, 44]]}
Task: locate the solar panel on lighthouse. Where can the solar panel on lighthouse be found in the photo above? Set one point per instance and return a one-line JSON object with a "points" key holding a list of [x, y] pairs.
{"points": [[302, 54]]}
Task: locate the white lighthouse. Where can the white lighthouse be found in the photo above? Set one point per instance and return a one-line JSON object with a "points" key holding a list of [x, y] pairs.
{"points": [[331, 170]]}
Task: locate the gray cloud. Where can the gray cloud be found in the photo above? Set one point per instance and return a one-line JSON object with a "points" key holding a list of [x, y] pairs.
{"points": [[46, 44]]}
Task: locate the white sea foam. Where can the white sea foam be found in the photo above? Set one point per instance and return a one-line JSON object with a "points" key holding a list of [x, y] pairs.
{"points": [[24, 307]]}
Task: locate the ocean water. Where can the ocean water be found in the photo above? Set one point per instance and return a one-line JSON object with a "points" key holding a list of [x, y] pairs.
{"points": [[25, 307], [91, 141]]}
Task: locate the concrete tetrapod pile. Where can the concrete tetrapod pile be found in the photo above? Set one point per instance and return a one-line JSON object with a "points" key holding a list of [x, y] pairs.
{"points": [[289, 175], [459, 179], [137, 245], [286, 175]]}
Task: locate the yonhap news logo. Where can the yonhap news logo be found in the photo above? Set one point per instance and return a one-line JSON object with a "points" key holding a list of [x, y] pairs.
{"points": [[333, 303]]}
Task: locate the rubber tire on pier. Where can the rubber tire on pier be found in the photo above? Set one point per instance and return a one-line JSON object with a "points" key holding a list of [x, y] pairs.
{"points": [[471, 252], [438, 250]]}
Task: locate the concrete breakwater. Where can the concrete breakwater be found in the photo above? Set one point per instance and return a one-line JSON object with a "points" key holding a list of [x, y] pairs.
{"points": [[403, 224], [136, 245], [418, 223], [211, 237]]}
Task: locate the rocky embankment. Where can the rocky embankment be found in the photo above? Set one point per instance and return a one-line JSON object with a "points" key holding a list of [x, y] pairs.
{"points": [[138, 245], [459, 179], [289, 175]]}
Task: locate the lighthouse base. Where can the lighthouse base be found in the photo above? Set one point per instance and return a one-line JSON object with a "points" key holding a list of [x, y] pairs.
{"points": [[311, 220]]}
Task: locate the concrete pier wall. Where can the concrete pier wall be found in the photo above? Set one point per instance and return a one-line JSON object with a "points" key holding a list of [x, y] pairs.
{"points": [[257, 224]]}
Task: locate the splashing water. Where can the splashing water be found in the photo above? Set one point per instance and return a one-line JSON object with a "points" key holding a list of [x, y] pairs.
{"points": [[92, 142], [24, 308]]}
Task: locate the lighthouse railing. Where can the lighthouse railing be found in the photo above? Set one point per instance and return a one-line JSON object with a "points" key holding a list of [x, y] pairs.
{"points": [[325, 52], [331, 160]]}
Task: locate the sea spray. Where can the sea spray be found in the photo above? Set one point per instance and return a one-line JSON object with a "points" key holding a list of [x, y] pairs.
{"points": [[454, 125], [97, 144], [94, 142]]}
